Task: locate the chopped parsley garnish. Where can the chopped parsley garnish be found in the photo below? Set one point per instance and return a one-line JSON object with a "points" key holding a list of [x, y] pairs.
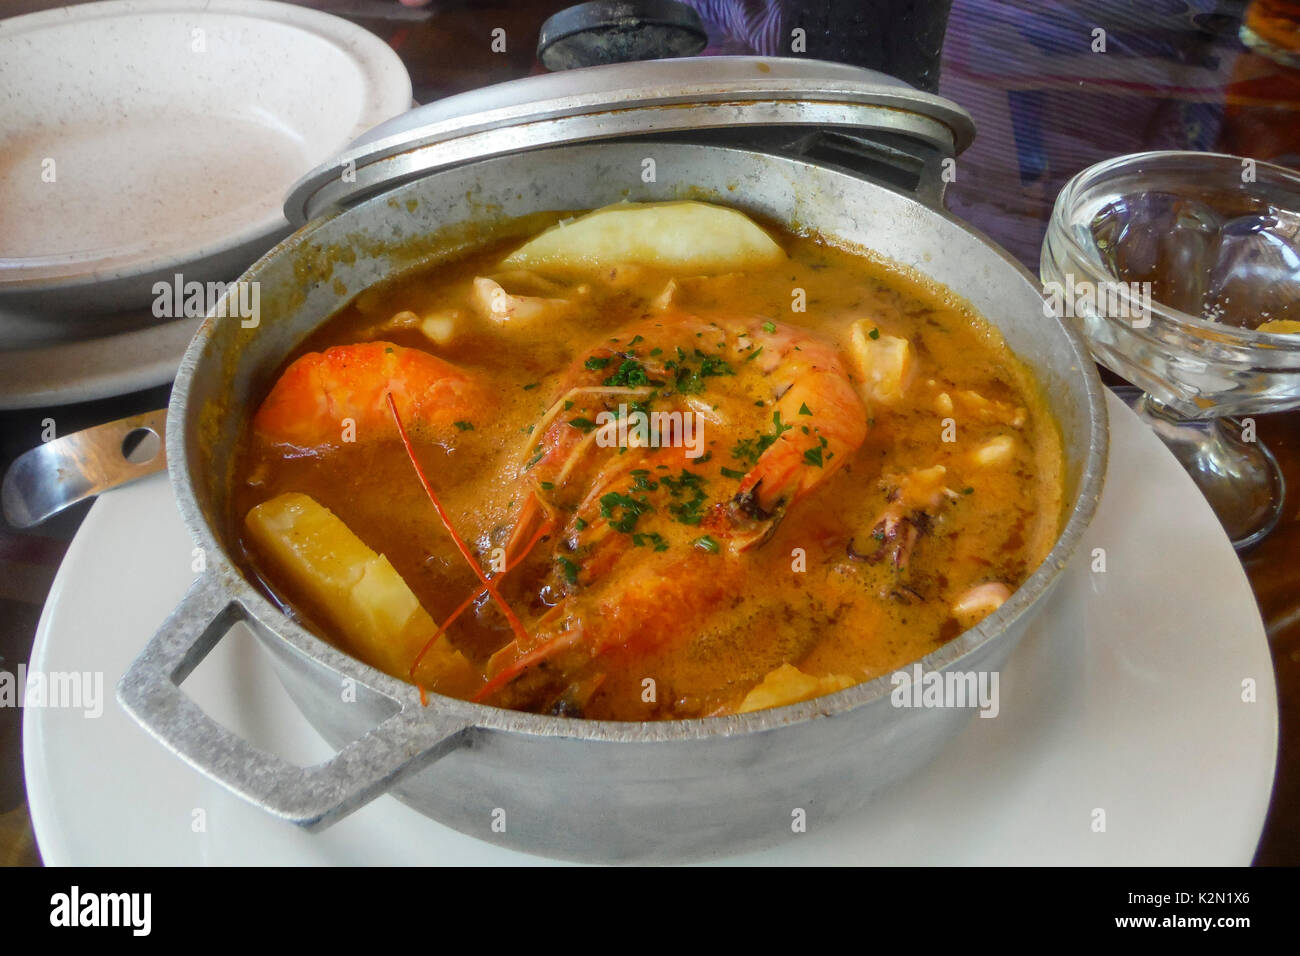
{"points": [[535, 459], [749, 449], [729, 473], [641, 480], [568, 569], [597, 362], [706, 543], [754, 354], [689, 380], [464, 426], [813, 456], [547, 485], [711, 366], [968, 491], [769, 327], [582, 424], [531, 385], [579, 523], [804, 409], [688, 490], [632, 508], [654, 539], [631, 374], [874, 334]]}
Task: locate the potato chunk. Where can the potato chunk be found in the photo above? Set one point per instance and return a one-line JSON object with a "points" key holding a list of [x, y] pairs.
{"points": [[692, 237], [884, 363], [364, 598], [789, 685]]}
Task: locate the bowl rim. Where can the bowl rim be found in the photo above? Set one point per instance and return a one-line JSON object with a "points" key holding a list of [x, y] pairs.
{"points": [[1071, 196], [224, 575]]}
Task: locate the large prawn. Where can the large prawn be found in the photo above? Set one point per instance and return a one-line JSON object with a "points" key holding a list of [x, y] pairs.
{"points": [[609, 500]]}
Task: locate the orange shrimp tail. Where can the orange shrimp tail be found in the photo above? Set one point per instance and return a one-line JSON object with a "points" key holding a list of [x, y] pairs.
{"points": [[320, 392]]}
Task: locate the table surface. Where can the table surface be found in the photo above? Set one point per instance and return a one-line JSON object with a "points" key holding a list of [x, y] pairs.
{"points": [[1173, 76]]}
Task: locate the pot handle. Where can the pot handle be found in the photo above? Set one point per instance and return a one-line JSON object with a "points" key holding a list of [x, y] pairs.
{"points": [[312, 797], [53, 476]]}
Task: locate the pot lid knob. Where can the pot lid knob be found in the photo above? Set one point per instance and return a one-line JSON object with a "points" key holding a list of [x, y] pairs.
{"points": [[619, 31]]}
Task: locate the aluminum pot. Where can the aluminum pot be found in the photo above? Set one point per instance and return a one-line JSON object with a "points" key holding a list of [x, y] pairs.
{"points": [[561, 787]]}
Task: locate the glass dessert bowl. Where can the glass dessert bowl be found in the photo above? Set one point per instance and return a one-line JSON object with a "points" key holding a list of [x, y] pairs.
{"points": [[1182, 269]]}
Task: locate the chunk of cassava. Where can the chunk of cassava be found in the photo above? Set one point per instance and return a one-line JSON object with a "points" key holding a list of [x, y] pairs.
{"points": [[789, 685], [694, 237], [324, 564]]}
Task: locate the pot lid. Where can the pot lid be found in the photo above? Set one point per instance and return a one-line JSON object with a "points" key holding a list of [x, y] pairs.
{"points": [[654, 97]]}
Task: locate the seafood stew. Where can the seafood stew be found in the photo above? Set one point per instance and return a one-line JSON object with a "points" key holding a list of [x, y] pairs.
{"points": [[658, 462]]}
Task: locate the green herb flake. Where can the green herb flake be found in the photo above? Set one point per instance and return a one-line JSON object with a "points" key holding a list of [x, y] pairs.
{"points": [[464, 426], [632, 509], [630, 374], [641, 481], [749, 449], [687, 490], [596, 362], [706, 543], [653, 538], [568, 569]]}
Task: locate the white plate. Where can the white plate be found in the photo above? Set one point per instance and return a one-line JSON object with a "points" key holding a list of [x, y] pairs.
{"points": [[1126, 698], [140, 135]]}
